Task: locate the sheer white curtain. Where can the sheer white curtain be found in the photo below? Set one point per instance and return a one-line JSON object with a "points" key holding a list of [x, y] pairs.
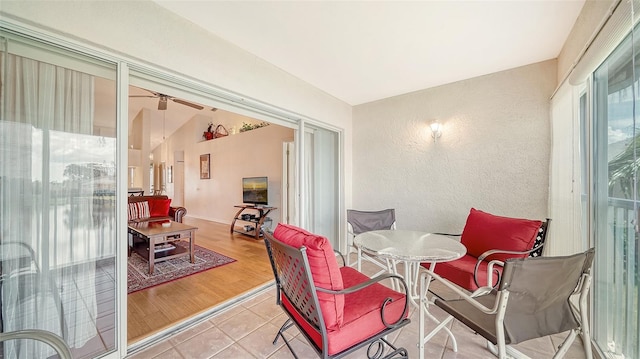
{"points": [[46, 205]]}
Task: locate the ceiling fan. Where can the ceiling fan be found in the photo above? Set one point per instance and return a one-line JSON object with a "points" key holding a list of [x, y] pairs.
{"points": [[163, 99]]}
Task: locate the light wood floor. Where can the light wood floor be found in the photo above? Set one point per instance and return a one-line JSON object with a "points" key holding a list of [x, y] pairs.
{"points": [[157, 308]]}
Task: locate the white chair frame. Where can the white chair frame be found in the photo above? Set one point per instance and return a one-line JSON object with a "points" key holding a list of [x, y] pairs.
{"points": [[502, 350]]}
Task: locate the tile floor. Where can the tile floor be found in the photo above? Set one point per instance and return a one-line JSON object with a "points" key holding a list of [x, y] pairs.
{"points": [[246, 330]]}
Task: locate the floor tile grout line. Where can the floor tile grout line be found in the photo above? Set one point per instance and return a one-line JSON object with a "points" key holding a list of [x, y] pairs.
{"points": [[250, 304]]}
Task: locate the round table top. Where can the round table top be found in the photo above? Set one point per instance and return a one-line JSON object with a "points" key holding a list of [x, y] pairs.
{"points": [[414, 246]]}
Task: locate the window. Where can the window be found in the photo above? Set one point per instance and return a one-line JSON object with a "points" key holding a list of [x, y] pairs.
{"points": [[616, 158]]}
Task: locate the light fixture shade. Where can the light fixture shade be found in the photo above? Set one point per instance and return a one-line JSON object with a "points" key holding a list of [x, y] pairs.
{"points": [[162, 103], [436, 130]]}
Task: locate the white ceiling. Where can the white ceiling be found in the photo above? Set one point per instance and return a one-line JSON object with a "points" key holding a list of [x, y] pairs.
{"points": [[362, 51]]}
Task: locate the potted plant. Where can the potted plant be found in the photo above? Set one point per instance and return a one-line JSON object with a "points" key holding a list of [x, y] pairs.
{"points": [[208, 134]]}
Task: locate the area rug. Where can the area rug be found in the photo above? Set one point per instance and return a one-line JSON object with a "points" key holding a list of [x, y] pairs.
{"points": [[138, 277]]}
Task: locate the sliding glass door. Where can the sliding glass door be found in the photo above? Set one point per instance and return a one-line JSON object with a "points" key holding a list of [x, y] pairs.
{"points": [[616, 201], [58, 195], [320, 211]]}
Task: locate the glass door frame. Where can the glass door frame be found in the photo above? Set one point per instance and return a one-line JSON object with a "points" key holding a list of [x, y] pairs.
{"points": [[304, 203], [59, 49], [191, 89], [611, 218]]}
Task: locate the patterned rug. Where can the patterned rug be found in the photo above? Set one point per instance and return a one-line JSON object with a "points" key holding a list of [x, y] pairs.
{"points": [[138, 277]]}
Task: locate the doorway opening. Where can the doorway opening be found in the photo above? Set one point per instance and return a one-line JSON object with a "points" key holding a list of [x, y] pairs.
{"points": [[166, 138]]}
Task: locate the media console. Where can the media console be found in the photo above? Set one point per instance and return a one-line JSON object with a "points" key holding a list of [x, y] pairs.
{"points": [[255, 215]]}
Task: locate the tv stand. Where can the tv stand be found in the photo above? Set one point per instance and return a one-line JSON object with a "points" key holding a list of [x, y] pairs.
{"points": [[255, 220]]}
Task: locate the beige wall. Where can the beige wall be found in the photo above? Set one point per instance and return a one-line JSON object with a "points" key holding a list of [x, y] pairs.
{"points": [[143, 30], [493, 154], [252, 153], [248, 154]]}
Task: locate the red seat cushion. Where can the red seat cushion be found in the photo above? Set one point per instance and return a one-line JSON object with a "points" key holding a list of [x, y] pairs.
{"points": [[460, 272], [484, 231], [361, 313], [159, 207], [324, 269]]}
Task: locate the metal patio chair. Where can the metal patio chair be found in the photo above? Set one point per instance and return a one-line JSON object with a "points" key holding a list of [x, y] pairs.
{"points": [[488, 237], [337, 310], [532, 300], [365, 221]]}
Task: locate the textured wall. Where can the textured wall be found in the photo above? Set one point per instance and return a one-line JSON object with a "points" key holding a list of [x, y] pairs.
{"points": [[493, 154]]}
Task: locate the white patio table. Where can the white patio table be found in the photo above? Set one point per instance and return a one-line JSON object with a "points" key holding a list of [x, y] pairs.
{"points": [[412, 248]]}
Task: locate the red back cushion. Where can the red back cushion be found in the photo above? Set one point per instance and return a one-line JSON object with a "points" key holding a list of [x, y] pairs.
{"points": [[324, 269], [484, 231], [159, 207]]}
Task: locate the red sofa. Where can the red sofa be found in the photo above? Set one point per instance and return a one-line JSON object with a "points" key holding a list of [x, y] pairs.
{"points": [[159, 208]]}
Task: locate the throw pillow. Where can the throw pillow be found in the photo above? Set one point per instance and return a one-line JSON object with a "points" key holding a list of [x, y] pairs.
{"points": [[138, 210], [484, 231], [324, 269], [159, 207]]}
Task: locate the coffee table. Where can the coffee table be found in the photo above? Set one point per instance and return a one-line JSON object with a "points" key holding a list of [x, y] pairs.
{"points": [[157, 240]]}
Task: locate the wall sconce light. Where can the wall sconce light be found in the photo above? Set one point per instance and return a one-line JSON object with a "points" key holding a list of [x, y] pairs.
{"points": [[436, 130]]}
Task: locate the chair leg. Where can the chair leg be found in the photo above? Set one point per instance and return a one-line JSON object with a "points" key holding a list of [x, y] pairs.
{"points": [[287, 324], [391, 268], [351, 262], [395, 353], [586, 339], [511, 352], [502, 347], [585, 333], [508, 352], [564, 347]]}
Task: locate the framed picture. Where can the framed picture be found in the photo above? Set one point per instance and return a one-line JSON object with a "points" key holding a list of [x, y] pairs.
{"points": [[205, 166]]}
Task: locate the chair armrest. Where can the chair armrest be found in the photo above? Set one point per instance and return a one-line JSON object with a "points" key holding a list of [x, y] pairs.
{"points": [[341, 256], [53, 340], [370, 282], [463, 295], [177, 213], [488, 253]]}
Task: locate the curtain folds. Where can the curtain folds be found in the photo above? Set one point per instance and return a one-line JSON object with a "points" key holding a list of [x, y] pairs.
{"points": [[49, 97], [48, 275]]}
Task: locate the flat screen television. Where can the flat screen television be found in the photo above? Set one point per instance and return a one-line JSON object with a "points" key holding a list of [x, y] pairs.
{"points": [[255, 190]]}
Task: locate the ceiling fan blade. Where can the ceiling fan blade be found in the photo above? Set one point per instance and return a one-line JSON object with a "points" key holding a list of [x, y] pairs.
{"points": [[186, 103], [149, 96]]}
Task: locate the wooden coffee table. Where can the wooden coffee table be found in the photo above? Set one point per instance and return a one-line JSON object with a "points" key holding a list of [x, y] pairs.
{"points": [[156, 242]]}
